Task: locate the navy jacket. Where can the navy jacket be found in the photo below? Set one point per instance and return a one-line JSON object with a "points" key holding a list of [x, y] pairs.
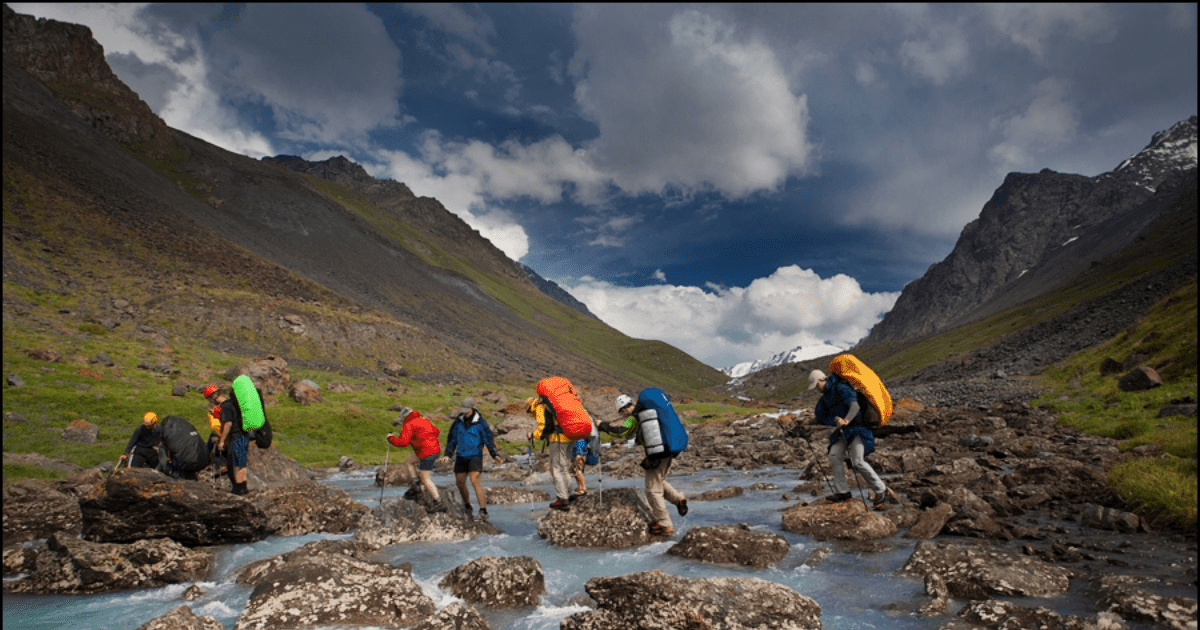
{"points": [[833, 404], [468, 436]]}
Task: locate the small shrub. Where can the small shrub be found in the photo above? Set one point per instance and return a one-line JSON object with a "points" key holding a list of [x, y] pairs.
{"points": [[1129, 430]]}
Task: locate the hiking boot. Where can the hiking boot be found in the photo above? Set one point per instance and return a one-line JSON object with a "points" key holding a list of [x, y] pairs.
{"points": [[470, 512], [483, 515], [879, 500], [661, 530], [838, 497], [577, 495], [437, 507], [682, 507], [412, 494], [560, 504]]}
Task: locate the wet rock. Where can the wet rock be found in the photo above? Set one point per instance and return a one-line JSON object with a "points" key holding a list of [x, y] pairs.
{"points": [[848, 520], [732, 544], [653, 599], [72, 565], [458, 616], [511, 582], [621, 521], [399, 521], [254, 572], [35, 509], [334, 589], [505, 495], [931, 522], [182, 618], [1101, 517], [140, 503], [939, 595], [1120, 594], [1003, 615], [309, 507], [978, 572], [719, 494]]}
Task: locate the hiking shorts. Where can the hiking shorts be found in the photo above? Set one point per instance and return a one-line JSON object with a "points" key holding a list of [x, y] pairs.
{"points": [[468, 464], [426, 463], [239, 447]]}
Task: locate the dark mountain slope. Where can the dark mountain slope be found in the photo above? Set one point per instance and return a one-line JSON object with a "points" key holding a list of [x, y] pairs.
{"points": [[231, 245], [1037, 233]]}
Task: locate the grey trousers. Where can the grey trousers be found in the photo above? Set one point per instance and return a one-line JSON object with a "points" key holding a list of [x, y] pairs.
{"points": [[837, 453], [657, 489]]}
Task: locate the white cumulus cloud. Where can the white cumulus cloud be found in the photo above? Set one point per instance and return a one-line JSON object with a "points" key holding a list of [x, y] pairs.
{"points": [[789, 308]]}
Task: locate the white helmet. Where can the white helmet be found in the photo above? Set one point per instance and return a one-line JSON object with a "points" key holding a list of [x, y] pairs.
{"points": [[623, 400]]}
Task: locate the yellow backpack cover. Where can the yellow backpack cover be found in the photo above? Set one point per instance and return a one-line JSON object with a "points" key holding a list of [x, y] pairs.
{"points": [[864, 380]]}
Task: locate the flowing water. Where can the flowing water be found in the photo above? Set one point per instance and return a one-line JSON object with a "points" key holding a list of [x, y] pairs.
{"points": [[856, 591]]}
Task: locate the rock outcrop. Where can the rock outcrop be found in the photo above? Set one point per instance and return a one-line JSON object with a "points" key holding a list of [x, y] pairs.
{"points": [[497, 582], [71, 565], [654, 599]]}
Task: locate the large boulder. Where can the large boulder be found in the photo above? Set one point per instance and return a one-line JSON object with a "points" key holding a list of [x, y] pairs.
{"points": [[309, 507], [335, 589], [1121, 595], [35, 509], [1003, 615], [182, 618], [71, 565], [618, 521], [458, 616], [848, 520], [497, 582], [732, 544], [399, 521], [653, 599], [139, 503], [254, 572], [979, 572]]}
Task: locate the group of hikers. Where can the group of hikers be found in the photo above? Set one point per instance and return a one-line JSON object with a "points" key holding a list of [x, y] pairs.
{"points": [[174, 446], [854, 402]]}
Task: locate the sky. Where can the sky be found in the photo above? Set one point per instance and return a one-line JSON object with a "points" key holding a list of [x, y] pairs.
{"points": [[733, 179]]}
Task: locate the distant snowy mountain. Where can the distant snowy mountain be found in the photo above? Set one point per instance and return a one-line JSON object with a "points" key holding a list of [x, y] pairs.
{"points": [[799, 353]]}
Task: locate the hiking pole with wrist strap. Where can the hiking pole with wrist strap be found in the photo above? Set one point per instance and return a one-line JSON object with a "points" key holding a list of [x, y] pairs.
{"points": [[853, 471], [383, 481], [817, 461]]}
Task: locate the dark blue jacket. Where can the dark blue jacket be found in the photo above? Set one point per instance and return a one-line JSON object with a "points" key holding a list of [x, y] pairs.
{"points": [[469, 436], [833, 404]]}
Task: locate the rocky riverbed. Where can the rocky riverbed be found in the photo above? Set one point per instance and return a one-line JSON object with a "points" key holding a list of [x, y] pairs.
{"points": [[1006, 511]]}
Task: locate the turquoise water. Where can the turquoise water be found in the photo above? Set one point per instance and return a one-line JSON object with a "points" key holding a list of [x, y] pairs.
{"points": [[856, 591]]}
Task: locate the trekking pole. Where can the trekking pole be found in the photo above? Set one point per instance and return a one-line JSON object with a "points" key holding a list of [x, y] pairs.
{"points": [[817, 461], [383, 481]]}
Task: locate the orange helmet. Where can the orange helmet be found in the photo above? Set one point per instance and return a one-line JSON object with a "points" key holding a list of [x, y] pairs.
{"points": [[210, 390], [150, 418]]}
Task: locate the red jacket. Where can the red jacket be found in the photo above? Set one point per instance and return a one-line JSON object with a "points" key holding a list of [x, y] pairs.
{"points": [[420, 433]]}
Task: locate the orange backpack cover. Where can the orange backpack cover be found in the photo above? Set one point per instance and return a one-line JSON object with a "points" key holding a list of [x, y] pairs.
{"points": [[573, 420], [864, 380]]}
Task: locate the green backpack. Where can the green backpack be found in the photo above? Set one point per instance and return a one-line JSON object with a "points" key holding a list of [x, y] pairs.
{"points": [[248, 401]]}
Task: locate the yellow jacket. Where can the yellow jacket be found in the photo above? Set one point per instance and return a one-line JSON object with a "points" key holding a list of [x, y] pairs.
{"points": [[539, 411]]}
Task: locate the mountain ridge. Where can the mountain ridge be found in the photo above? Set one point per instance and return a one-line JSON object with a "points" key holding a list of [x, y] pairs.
{"points": [[380, 274]]}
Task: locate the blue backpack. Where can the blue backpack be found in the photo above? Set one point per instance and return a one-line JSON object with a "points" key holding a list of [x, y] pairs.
{"points": [[662, 431]]}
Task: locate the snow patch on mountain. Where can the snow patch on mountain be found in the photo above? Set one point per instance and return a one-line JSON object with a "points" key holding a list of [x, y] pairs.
{"points": [[795, 355]]}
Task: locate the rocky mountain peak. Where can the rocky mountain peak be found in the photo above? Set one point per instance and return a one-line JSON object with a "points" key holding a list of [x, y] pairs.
{"points": [[1169, 152], [1027, 230], [66, 58]]}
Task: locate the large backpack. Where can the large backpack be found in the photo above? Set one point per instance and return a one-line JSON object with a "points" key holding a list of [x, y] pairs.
{"points": [[873, 397], [571, 418], [249, 402], [186, 450], [662, 431]]}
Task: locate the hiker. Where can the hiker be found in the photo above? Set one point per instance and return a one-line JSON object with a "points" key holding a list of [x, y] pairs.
{"points": [[838, 407], [214, 423], [468, 435], [182, 452], [233, 440], [143, 445], [658, 490], [560, 448], [417, 431]]}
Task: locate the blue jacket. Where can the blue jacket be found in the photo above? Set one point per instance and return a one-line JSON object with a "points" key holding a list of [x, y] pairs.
{"points": [[833, 404], [469, 436]]}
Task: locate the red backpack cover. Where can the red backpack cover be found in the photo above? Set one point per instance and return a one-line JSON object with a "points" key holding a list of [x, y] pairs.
{"points": [[573, 420]]}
